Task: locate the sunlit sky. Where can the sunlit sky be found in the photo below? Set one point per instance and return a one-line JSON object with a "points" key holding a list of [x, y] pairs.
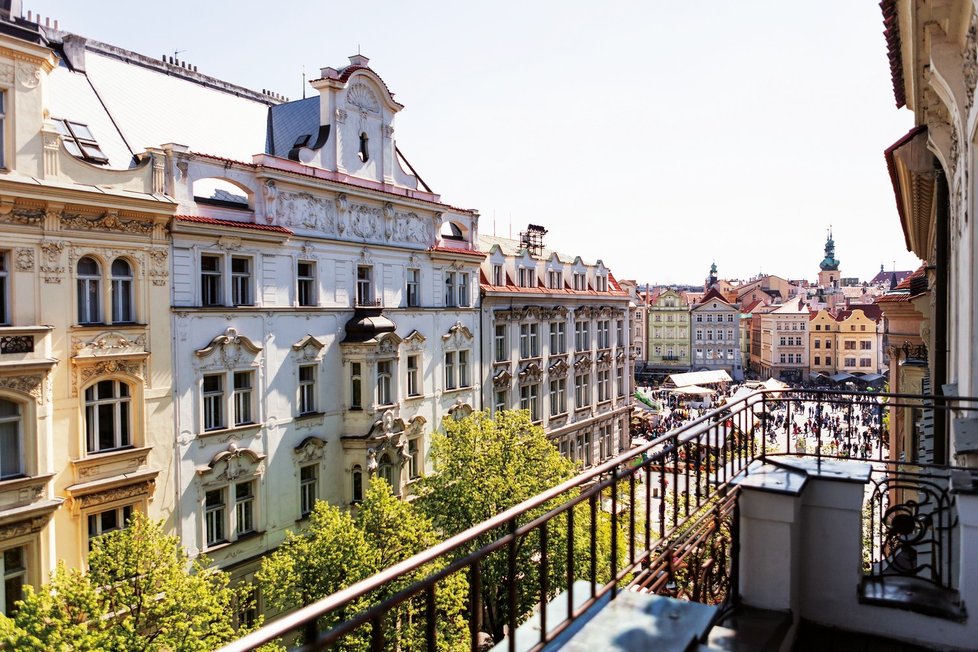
{"points": [[655, 136]]}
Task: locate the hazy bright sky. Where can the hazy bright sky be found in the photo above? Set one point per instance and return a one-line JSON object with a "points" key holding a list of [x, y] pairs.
{"points": [[656, 136]]}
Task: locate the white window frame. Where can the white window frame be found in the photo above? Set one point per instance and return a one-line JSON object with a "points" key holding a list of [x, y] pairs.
{"points": [[412, 291], [89, 292], [123, 308], [212, 281], [558, 338], [237, 402], [364, 279], [121, 514], [13, 573], [306, 283], [307, 402], [501, 351], [558, 396], [582, 390], [530, 400], [122, 407], [12, 443], [414, 380], [242, 281], [308, 488], [462, 287], [497, 275], [385, 382], [450, 299], [450, 377]]}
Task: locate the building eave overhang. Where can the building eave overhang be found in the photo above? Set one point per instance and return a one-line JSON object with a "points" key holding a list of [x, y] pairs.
{"points": [[911, 166]]}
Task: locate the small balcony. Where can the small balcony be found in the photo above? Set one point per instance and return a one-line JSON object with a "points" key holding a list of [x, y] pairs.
{"points": [[748, 528]]}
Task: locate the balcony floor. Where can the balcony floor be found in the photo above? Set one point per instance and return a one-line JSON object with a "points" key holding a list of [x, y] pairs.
{"points": [[816, 638]]}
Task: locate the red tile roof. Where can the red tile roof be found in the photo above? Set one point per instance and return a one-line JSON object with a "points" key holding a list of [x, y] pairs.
{"points": [[198, 219], [888, 154], [461, 252], [891, 33]]}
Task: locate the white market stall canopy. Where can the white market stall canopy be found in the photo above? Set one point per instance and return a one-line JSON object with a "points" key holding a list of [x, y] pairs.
{"points": [[699, 378], [773, 383], [692, 389]]}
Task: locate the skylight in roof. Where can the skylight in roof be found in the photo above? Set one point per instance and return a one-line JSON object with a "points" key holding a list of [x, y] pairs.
{"points": [[79, 141]]}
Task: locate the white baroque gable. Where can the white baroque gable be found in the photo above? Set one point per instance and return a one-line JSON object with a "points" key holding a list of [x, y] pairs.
{"points": [[228, 350]]}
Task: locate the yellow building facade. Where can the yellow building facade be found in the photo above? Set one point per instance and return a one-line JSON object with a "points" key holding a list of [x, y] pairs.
{"points": [[85, 388]]}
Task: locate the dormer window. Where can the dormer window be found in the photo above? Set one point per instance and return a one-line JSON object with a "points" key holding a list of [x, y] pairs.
{"points": [[80, 142], [364, 151]]}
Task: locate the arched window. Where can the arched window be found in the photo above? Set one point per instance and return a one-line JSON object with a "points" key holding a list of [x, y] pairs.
{"points": [[364, 151], [89, 291], [11, 440], [121, 291], [108, 416], [357, 484]]}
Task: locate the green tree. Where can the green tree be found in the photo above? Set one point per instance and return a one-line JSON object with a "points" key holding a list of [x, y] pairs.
{"points": [[137, 595], [338, 549], [484, 466]]}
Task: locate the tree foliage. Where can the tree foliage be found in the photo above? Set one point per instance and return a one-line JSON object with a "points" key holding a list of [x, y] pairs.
{"points": [[338, 549], [137, 595], [485, 465]]}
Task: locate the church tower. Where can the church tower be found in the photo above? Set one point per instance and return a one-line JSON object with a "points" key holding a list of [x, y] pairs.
{"points": [[829, 276], [711, 280]]}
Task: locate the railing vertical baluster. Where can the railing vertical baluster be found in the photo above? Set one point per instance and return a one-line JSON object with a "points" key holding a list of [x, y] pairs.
{"points": [[686, 478], [431, 622], [544, 581], [631, 519], [675, 481], [310, 631], [881, 434], [614, 533], [648, 507], [570, 562], [788, 426], [662, 499], [818, 429], [475, 604], [593, 544], [511, 586], [706, 459], [764, 426], [377, 638]]}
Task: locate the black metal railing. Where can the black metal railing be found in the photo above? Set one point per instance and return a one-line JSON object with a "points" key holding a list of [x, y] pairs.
{"points": [[910, 524], [668, 504]]}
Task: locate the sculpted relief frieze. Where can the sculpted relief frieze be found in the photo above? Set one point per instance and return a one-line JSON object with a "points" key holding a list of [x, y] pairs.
{"points": [[339, 217]]}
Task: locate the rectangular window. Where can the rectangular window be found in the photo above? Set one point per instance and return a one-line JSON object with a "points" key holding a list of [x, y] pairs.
{"points": [[462, 287], [620, 380], [866, 345], [818, 344], [620, 333], [463, 369], [582, 390], [604, 385], [850, 362], [213, 393], [558, 338], [4, 266], [413, 288], [79, 140], [450, 370], [828, 344], [529, 342], [500, 346], [530, 400], [356, 385], [244, 508], [601, 283], [558, 396], [497, 275], [604, 334], [415, 462], [305, 278], [308, 488], [828, 360], [307, 389], [850, 345], [241, 287], [555, 279], [14, 573], [865, 362], [211, 282], [108, 521], [818, 360], [215, 511], [365, 290], [450, 290], [385, 393], [582, 336], [243, 397], [500, 401], [414, 375]]}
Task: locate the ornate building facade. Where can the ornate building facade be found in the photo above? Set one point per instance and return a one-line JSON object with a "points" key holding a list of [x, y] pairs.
{"points": [[715, 335], [85, 384], [556, 335]]}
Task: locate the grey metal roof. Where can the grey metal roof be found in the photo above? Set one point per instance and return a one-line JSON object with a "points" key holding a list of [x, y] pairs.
{"points": [[290, 120], [72, 98], [152, 108]]}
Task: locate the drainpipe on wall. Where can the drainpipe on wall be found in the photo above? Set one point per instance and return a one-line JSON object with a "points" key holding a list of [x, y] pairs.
{"points": [[941, 302]]}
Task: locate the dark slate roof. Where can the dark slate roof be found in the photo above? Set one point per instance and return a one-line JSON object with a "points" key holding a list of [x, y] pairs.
{"points": [[288, 121]]}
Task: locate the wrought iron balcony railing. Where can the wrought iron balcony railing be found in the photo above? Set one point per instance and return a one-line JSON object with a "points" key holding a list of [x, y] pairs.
{"points": [[671, 508]]}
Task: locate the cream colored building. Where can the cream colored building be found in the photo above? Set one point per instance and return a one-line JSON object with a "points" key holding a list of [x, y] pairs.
{"points": [[668, 348], [784, 351], [85, 384], [848, 341]]}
